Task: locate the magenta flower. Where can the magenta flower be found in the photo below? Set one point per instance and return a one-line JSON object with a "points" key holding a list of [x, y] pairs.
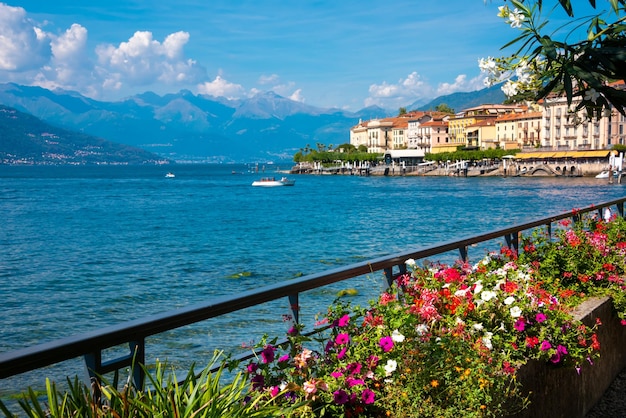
{"points": [[354, 368], [252, 367], [275, 391], [540, 317], [342, 353], [368, 396], [545, 345], [386, 343], [520, 325], [336, 374], [283, 358], [560, 351], [344, 320], [268, 353], [342, 339], [340, 397], [354, 382]]}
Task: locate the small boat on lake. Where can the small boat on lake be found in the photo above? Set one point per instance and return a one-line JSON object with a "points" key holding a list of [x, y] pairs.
{"points": [[272, 182], [605, 175], [170, 175]]}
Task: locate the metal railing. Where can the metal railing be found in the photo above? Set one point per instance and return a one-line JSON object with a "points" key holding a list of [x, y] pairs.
{"points": [[90, 345]]}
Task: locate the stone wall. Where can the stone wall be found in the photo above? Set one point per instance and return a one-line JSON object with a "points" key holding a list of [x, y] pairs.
{"points": [[560, 392]]}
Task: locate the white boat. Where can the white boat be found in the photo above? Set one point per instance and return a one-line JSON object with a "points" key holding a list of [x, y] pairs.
{"points": [[272, 182], [170, 175], [605, 175]]}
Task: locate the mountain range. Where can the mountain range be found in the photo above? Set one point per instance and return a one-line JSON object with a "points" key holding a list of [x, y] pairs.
{"points": [[197, 128]]}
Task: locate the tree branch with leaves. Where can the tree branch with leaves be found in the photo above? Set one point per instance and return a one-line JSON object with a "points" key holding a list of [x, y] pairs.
{"points": [[588, 70]]}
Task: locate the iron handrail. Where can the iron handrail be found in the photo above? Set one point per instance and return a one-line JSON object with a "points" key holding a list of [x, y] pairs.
{"points": [[91, 344]]}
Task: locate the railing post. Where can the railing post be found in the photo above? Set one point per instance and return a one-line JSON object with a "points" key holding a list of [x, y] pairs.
{"points": [[294, 304], [620, 208], [463, 253], [388, 277], [138, 351], [93, 367], [512, 242]]}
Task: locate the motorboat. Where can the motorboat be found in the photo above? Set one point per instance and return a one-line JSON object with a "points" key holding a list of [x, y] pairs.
{"points": [[605, 175], [170, 175], [272, 182]]}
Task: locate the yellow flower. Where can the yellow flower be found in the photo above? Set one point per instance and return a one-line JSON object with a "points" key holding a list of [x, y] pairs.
{"points": [[434, 383]]}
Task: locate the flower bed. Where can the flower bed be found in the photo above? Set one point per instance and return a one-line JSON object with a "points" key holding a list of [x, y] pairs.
{"points": [[462, 340]]}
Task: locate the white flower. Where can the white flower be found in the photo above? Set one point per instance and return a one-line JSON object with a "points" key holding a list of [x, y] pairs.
{"points": [[421, 329], [478, 327], [390, 367], [516, 312], [487, 295], [592, 95], [396, 336], [503, 11], [410, 262], [487, 340], [516, 18], [478, 288], [509, 300], [509, 88]]}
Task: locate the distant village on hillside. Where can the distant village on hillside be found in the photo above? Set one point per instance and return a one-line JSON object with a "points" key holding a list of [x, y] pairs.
{"points": [[544, 130]]}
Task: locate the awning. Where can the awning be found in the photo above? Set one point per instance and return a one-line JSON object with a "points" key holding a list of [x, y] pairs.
{"points": [[564, 154]]}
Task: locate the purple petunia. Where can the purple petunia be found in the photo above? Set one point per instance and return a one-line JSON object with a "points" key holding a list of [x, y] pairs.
{"points": [[540, 317], [341, 354], [520, 325], [268, 353], [386, 343], [340, 397], [545, 345]]}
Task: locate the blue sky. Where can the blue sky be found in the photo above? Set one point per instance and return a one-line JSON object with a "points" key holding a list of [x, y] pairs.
{"points": [[346, 54]]}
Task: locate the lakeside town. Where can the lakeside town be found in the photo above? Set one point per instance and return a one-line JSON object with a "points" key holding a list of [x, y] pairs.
{"points": [[544, 139]]}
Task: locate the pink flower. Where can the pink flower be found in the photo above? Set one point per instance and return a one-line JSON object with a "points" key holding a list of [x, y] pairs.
{"points": [[354, 382], [343, 321], [342, 339], [368, 396], [336, 374], [342, 353], [275, 391], [545, 345], [540, 317], [386, 343], [309, 387], [520, 325], [283, 358]]}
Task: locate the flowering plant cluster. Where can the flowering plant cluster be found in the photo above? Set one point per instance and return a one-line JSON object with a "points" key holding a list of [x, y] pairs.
{"points": [[448, 340]]}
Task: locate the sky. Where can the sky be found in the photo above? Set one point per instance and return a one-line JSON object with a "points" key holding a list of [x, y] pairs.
{"points": [[327, 53]]}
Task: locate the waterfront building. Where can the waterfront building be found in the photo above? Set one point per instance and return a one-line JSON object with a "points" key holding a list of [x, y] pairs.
{"points": [[481, 135], [434, 134], [519, 130], [565, 130], [458, 124]]}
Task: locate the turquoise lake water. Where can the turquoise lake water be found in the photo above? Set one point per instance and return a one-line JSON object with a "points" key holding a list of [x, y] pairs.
{"points": [[87, 247]]}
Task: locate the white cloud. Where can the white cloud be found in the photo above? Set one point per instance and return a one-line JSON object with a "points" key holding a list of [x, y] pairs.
{"points": [[413, 88], [23, 46], [268, 79], [221, 88], [461, 83], [144, 61]]}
